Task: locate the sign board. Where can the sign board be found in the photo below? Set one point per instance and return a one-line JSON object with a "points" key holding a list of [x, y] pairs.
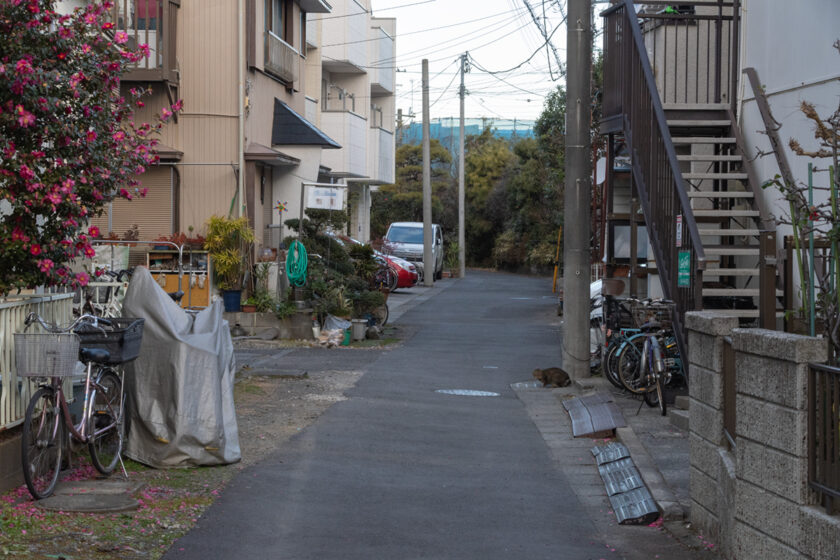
{"points": [[679, 230], [325, 198], [684, 269]]}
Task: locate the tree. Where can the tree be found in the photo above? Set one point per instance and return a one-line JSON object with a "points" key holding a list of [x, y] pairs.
{"points": [[68, 141], [403, 201]]}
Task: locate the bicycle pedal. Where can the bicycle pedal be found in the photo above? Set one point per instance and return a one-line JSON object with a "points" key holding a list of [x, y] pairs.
{"points": [[670, 362]]}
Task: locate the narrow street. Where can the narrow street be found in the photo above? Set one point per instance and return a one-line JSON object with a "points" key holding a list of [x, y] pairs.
{"points": [[399, 470]]}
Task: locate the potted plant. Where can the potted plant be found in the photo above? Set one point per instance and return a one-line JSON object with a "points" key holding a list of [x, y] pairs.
{"points": [[249, 305], [229, 243]]}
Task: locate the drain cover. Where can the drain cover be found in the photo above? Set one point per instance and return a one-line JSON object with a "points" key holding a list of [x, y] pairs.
{"points": [[467, 393]]}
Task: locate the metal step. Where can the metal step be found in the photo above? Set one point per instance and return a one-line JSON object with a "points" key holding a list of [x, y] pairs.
{"points": [[699, 123], [709, 157], [728, 213], [721, 194], [713, 176], [718, 272], [702, 140], [728, 232], [730, 250], [751, 292]]}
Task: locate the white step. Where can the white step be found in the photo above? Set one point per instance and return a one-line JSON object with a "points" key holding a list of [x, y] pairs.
{"points": [[728, 232], [699, 123], [709, 157], [742, 313], [695, 106], [712, 272], [713, 176], [751, 292], [732, 251], [721, 194], [702, 140], [726, 213]]}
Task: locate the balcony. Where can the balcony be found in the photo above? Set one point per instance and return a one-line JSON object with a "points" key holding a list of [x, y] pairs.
{"points": [[381, 156], [152, 23], [346, 48], [382, 59], [349, 130], [281, 59]]}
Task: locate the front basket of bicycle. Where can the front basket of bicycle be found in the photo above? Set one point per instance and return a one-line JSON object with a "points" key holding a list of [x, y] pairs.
{"points": [[121, 340], [46, 354]]}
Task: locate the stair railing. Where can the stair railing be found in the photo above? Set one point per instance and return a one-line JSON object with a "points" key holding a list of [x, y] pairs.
{"points": [[630, 91]]}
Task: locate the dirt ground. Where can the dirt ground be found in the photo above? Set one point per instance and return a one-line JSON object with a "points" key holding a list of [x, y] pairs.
{"points": [[270, 410]]}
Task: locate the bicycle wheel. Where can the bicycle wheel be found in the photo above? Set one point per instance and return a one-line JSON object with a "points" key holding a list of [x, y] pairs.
{"points": [[393, 279], [43, 434], [107, 418], [630, 365], [610, 365], [381, 315]]}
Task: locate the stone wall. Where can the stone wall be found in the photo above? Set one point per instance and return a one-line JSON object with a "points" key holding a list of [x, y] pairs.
{"points": [[754, 500]]}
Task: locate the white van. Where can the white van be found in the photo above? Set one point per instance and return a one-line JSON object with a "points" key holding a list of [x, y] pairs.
{"points": [[405, 240]]}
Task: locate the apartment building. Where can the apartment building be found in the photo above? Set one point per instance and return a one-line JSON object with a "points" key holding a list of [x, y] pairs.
{"points": [[257, 120]]}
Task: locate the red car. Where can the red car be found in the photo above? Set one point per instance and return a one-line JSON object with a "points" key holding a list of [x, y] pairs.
{"points": [[405, 271]]}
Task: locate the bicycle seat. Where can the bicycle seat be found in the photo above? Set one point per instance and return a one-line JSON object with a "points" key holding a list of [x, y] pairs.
{"points": [[176, 296], [651, 326], [96, 355]]}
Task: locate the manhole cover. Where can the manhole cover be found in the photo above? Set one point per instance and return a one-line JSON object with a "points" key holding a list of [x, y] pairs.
{"points": [[467, 393]]}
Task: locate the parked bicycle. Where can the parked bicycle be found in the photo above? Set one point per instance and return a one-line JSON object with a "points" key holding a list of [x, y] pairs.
{"points": [[49, 357]]}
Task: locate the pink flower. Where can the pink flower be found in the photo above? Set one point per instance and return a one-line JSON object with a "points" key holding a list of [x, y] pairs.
{"points": [[82, 278], [45, 265], [93, 231], [144, 191], [107, 25], [55, 198], [121, 37], [165, 114], [125, 194], [26, 173], [118, 136], [35, 249], [98, 272], [144, 49], [86, 48], [178, 105], [89, 252], [23, 66], [91, 135], [18, 235]]}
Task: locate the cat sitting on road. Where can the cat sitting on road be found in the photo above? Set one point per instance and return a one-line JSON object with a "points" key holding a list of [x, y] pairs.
{"points": [[552, 376]]}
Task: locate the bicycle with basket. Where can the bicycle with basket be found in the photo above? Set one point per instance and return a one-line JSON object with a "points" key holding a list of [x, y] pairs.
{"points": [[50, 356]]}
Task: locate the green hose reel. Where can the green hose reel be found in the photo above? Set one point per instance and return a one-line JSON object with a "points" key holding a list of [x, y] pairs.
{"points": [[296, 263]]}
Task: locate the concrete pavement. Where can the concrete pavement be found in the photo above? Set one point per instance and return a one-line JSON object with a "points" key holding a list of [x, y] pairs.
{"points": [[400, 470]]}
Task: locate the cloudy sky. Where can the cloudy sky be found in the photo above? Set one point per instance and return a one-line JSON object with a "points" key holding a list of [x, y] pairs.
{"points": [[511, 71]]}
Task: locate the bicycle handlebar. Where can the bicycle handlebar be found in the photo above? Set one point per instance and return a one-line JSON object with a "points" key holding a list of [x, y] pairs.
{"points": [[86, 319]]}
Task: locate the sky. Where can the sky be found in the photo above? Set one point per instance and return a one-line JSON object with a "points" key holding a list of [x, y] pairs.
{"points": [[500, 36]]}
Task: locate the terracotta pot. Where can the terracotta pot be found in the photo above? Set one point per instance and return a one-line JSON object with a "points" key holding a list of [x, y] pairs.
{"points": [[249, 308]]}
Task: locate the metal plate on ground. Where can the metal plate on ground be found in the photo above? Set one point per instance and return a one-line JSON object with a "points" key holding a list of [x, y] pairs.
{"points": [[467, 393], [635, 507], [593, 414], [613, 451], [618, 479]]}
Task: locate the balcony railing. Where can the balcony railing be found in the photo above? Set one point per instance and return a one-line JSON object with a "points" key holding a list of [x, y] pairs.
{"points": [[281, 59], [153, 23], [824, 434]]}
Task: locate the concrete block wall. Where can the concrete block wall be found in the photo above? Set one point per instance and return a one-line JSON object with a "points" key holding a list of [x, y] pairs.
{"points": [[755, 501]]}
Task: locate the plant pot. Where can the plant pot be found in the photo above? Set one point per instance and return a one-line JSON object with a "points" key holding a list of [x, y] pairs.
{"points": [[232, 300], [359, 329], [249, 308]]}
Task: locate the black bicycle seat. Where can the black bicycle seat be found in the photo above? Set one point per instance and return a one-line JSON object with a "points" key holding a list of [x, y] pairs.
{"points": [[176, 296], [96, 355], [651, 326]]}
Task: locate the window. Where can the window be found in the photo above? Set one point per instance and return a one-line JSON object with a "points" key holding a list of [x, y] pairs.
{"points": [[278, 18]]}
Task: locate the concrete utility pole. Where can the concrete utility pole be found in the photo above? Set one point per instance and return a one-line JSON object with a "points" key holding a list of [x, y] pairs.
{"points": [[462, 243], [578, 191], [428, 258]]}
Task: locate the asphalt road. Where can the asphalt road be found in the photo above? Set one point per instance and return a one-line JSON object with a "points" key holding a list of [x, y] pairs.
{"points": [[401, 471]]}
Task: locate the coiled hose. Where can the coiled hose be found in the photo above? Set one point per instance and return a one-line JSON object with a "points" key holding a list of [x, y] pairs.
{"points": [[296, 262]]}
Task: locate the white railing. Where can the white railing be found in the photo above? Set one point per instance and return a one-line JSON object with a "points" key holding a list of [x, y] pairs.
{"points": [[381, 156], [14, 393], [281, 59], [382, 60]]}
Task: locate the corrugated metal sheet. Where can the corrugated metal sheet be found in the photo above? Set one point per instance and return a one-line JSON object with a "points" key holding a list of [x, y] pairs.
{"points": [[593, 414], [632, 502]]}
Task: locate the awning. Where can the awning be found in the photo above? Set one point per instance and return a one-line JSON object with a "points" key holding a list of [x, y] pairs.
{"points": [[315, 6], [264, 154], [290, 129], [168, 153]]}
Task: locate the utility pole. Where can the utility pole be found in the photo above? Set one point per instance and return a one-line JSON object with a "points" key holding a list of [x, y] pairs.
{"points": [[428, 258], [462, 243], [399, 128], [578, 191]]}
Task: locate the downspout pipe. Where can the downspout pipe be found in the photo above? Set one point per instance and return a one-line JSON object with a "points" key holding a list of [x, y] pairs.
{"points": [[241, 109]]}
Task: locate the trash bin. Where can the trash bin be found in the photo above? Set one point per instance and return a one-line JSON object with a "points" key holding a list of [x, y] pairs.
{"points": [[359, 329]]}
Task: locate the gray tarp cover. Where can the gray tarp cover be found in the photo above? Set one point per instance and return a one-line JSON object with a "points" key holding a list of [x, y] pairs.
{"points": [[180, 388]]}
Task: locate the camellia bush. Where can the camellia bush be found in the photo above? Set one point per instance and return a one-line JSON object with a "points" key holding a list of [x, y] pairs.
{"points": [[68, 140]]}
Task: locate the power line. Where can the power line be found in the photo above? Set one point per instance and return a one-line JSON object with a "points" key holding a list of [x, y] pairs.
{"points": [[371, 11], [524, 61]]}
